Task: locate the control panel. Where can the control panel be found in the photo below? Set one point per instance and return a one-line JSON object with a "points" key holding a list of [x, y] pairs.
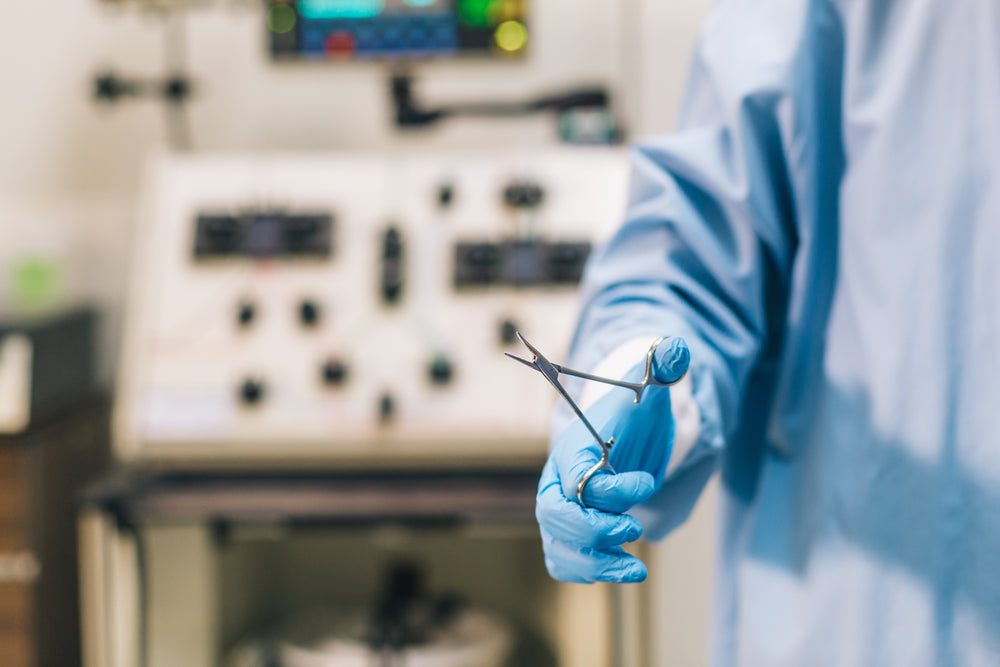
{"points": [[395, 29], [355, 308]]}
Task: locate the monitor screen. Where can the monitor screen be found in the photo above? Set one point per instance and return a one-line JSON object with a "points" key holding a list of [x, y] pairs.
{"points": [[396, 29]]}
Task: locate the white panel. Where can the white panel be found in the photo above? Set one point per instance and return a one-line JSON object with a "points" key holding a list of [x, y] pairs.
{"points": [[186, 358], [182, 597]]}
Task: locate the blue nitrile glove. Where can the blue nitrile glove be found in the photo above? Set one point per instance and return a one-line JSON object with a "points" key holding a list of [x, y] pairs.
{"points": [[582, 544]]}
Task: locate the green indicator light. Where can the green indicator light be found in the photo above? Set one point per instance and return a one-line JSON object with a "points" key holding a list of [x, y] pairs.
{"points": [[475, 13], [35, 281], [280, 19]]}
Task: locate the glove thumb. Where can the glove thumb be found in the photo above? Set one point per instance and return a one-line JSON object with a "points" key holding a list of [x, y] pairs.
{"points": [[671, 359]]}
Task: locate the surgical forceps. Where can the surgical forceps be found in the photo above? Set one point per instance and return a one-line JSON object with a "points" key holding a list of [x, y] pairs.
{"points": [[551, 372]]}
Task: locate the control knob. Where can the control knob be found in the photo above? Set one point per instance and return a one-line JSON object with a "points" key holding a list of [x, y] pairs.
{"points": [[252, 391]]}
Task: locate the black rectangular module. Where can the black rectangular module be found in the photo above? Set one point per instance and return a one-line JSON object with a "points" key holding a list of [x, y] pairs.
{"points": [[477, 264], [264, 235], [565, 262], [59, 369], [519, 263]]}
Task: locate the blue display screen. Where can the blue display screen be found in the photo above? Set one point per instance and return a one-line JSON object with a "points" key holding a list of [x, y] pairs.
{"points": [[340, 9], [363, 9]]}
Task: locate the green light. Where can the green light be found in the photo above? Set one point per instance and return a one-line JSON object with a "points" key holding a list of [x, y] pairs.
{"points": [[475, 13], [35, 281], [280, 19]]}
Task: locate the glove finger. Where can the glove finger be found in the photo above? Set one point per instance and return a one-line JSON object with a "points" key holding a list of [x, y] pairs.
{"points": [[586, 566], [571, 471], [671, 360], [566, 521], [618, 493]]}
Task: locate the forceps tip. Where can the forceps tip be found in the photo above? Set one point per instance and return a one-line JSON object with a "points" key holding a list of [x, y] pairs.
{"points": [[517, 358], [528, 345]]}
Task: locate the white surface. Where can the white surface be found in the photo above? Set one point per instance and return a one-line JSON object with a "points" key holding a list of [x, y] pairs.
{"points": [[182, 581], [15, 383], [185, 357]]}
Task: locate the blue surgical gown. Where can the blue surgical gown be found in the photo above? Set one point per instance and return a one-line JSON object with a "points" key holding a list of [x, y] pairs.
{"points": [[824, 230]]}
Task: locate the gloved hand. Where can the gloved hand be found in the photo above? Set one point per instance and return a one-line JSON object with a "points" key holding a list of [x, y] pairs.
{"points": [[582, 544]]}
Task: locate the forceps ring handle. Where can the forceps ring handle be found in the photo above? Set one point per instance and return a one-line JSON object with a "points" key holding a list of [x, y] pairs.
{"points": [[600, 465]]}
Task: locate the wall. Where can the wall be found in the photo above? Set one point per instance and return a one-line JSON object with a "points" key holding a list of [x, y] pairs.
{"points": [[70, 168]]}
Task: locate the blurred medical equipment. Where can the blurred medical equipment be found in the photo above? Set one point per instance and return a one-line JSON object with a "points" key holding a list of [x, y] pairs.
{"points": [[184, 568], [583, 115], [353, 308], [551, 373], [399, 34], [312, 388], [405, 625], [394, 29]]}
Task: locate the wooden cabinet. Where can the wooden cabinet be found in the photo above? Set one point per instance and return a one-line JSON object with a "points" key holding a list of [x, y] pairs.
{"points": [[42, 473]]}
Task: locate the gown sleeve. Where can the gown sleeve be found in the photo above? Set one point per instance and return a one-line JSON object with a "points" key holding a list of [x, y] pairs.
{"points": [[709, 238]]}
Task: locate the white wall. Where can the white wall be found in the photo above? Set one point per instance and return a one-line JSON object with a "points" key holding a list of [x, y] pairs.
{"points": [[70, 169]]}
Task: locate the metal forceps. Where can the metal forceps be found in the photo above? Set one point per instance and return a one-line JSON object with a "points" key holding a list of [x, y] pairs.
{"points": [[551, 372]]}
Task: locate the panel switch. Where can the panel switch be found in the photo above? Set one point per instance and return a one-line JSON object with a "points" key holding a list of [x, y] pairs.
{"points": [[524, 194], [245, 314], [440, 370], [392, 266], [334, 372], [252, 391], [508, 332], [309, 313], [386, 408]]}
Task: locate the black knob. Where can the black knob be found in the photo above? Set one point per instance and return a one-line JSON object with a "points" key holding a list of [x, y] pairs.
{"points": [[446, 194], [309, 313], [334, 372], [440, 370], [246, 314], [252, 392], [386, 407], [523, 194], [508, 332]]}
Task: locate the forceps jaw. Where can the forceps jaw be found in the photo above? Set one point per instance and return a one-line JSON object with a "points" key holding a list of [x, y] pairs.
{"points": [[529, 364], [551, 373]]}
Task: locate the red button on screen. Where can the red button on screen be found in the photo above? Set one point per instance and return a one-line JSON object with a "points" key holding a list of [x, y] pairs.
{"points": [[340, 44]]}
